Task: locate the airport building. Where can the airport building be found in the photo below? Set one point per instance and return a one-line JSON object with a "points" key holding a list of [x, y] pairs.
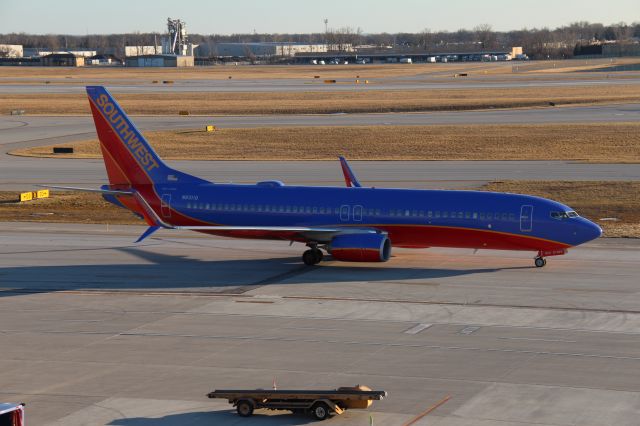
{"points": [[11, 51], [63, 59], [260, 49], [159, 61], [142, 50]]}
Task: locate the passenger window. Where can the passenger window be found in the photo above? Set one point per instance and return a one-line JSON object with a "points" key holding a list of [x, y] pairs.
{"points": [[481, 216], [512, 217], [438, 214], [315, 210], [460, 215], [467, 215], [475, 215], [429, 213], [445, 215]]}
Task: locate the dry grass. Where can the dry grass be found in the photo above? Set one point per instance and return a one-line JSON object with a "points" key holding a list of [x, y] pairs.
{"points": [[594, 200], [601, 142], [314, 101], [65, 207], [223, 72]]}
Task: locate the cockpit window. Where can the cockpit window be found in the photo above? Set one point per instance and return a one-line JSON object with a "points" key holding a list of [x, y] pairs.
{"points": [[563, 215]]}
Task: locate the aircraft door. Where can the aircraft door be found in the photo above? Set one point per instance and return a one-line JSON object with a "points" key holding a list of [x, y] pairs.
{"points": [[344, 213], [165, 202], [526, 218], [357, 213]]}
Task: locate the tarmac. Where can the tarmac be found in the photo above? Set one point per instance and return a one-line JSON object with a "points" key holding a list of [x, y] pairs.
{"points": [[96, 330], [444, 79]]}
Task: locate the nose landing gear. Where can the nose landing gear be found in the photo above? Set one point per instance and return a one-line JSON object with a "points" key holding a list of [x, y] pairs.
{"points": [[540, 261]]}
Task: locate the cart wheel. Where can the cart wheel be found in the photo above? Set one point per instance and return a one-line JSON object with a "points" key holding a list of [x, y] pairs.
{"points": [[244, 408], [320, 411]]}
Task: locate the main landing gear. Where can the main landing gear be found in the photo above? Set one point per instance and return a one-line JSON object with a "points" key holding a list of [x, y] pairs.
{"points": [[313, 256], [540, 261]]}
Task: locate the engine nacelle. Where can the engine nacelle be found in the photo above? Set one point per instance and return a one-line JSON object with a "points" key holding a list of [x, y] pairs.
{"points": [[361, 247]]}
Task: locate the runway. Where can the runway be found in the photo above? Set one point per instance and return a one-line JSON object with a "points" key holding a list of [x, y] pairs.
{"points": [[121, 335]]}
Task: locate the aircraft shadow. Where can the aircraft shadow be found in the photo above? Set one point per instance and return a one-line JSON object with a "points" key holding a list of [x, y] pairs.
{"points": [[164, 272]]}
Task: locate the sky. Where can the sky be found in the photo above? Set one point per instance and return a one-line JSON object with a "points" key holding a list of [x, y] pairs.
{"points": [[302, 16]]}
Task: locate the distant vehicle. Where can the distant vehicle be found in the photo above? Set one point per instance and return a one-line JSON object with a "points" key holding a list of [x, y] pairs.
{"points": [[431, 59], [405, 60], [361, 61], [321, 62], [522, 57], [314, 62], [354, 224], [321, 404], [335, 62], [444, 59], [345, 63]]}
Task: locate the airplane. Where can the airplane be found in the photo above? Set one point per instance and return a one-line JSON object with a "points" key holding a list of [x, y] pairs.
{"points": [[352, 223]]}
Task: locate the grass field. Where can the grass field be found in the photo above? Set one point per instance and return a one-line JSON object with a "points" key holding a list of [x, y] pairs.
{"points": [[594, 200], [314, 101], [602, 142]]}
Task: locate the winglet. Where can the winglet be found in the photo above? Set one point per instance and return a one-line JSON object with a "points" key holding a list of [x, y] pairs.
{"points": [[150, 230], [349, 177]]}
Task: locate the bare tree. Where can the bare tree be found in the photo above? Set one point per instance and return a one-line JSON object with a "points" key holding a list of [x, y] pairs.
{"points": [[485, 35]]}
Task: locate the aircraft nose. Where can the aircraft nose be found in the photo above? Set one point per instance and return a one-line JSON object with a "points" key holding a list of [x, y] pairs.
{"points": [[590, 231]]}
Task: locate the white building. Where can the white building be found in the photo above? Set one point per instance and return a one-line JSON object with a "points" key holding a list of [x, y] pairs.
{"points": [[80, 52], [142, 50], [11, 51]]}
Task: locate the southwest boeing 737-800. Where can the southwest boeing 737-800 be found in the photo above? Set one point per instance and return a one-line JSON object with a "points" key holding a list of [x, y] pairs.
{"points": [[352, 223]]}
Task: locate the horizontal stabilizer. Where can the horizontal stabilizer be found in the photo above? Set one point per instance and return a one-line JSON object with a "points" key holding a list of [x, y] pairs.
{"points": [[95, 190]]}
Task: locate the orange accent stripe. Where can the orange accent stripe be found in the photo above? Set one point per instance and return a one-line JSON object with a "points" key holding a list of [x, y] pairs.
{"points": [[428, 410]]}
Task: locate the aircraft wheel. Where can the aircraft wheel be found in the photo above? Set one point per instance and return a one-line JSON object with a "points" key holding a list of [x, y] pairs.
{"points": [[309, 258], [540, 262], [318, 254]]}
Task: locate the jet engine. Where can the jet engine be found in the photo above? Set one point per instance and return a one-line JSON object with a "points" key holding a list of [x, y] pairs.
{"points": [[360, 247]]}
